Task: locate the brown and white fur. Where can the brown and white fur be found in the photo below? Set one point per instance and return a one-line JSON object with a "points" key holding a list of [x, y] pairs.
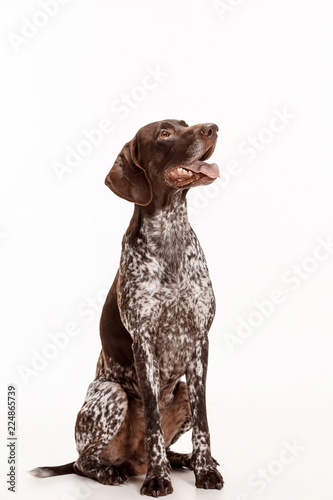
{"points": [[155, 322]]}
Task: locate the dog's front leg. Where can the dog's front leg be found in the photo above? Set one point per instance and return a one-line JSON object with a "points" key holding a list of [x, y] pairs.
{"points": [[206, 474], [157, 482]]}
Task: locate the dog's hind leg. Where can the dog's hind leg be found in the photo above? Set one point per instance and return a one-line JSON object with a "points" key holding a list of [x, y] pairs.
{"points": [[98, 423], [176, 421]]}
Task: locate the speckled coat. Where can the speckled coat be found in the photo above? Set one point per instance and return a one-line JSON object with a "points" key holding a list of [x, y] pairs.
{"points": [[155, 322]]}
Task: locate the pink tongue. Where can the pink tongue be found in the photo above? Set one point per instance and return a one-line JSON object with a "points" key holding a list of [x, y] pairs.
{"points": [[210, 169]]}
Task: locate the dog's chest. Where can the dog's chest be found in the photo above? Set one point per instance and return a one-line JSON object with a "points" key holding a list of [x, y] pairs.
{"points": [[185, 310], [165, 296]]}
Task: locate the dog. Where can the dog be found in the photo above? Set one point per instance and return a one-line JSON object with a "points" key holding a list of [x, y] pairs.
{"points": [[154, 324]]}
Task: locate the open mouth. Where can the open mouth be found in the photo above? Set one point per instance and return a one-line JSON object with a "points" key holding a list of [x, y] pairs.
{"points": [[199, 169]]}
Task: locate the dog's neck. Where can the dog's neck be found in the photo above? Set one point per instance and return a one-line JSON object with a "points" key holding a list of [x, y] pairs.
{"points": [[163, 229]]}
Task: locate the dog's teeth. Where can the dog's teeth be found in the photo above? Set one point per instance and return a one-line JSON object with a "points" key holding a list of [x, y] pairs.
{"points": [[179, 169]]}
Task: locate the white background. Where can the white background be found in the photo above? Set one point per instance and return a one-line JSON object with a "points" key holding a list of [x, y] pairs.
{"points": [[60, 238]]}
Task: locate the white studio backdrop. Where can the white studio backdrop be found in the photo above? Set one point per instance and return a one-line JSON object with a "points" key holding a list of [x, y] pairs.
{"points": [[79, 78]]}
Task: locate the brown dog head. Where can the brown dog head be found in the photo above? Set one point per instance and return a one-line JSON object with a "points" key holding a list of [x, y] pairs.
{"points": [[164, 155]]}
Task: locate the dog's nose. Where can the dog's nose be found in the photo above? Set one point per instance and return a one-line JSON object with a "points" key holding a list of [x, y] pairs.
{"points": [[209, 130]]}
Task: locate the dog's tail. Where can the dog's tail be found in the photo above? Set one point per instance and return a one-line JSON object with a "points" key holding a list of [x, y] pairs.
{"points": [[58, 470]]}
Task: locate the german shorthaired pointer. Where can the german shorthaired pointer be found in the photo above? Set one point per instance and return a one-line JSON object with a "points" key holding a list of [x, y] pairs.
{"points": [[155, 322]]}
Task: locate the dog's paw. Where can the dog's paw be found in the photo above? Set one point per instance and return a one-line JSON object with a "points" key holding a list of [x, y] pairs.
{"points": [[156, 487], [210, 479], [180, 460], [111, 475]]}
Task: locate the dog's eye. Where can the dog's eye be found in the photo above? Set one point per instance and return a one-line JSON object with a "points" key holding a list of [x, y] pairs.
{"points": [[164, 134]]}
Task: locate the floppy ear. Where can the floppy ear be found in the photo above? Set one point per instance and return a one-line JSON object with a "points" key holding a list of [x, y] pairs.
{"points": [[127, 179]]}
